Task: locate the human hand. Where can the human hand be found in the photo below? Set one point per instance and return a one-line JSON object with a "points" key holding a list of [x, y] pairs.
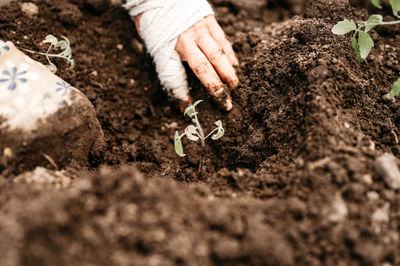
{"points": [[210, 56]]}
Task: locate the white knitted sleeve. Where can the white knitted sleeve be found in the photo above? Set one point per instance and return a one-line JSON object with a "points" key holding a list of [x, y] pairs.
{"points": [[161, 23]]}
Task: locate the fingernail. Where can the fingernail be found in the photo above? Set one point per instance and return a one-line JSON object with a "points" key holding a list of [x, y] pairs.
{"points": [[233, 83], [228, 105], [235, 61], [223, 98]]}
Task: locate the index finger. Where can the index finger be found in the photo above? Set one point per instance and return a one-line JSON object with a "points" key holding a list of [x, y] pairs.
{"points": [[205, 72]]}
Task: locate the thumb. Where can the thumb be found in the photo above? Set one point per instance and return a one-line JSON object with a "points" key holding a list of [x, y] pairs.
{"points": [[137, 25], [172, 73]]}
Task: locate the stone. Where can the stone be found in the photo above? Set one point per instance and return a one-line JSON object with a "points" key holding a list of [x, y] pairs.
{"points": [[388, 98], [43, 119], [367, 179], [381, 215], [386, 167], [339, 210], [372, 195], [45, 177], [29, 8], [120, 47]]}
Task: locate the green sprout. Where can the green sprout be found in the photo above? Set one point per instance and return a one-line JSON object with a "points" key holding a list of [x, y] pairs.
{"points": [[361, 41], [195, 132], [63, 45], [395, 91], [394, 3]]}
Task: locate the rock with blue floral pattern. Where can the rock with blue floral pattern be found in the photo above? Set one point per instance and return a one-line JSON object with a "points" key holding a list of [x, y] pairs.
{"points": [[43, 119]]}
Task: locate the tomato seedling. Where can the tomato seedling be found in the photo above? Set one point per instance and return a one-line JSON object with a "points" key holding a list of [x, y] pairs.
{"points": [[63, 45], [361, 41], [195, 132]]}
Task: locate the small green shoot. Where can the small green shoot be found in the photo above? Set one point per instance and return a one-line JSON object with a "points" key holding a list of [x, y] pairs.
{"points": [[361, 41], [195, 132], [376, 3], [395, 91], [394, 3], [63, 45]]}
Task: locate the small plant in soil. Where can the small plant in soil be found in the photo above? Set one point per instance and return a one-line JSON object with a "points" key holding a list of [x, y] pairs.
{"points": [[195, 132], [62, 45], [361, 40]]}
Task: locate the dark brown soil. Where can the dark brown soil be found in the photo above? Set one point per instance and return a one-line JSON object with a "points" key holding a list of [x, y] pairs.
{"points": [[291, 183]]}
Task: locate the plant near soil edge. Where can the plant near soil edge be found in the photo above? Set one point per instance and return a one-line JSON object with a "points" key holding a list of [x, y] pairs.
{"points": [[195, 132], [361, 41], [63, 45]]}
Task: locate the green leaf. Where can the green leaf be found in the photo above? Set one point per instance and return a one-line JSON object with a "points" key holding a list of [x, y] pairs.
{"points": [[190, 111], [395, 91], [220, 132], [191, 133], [66, 40], [67, 53], [178, 145], [72, 63], [356, 48], [396, 7], [365, 43], [344, 27], [50, 39], [373, 19], [376, 3], [62, 45]]}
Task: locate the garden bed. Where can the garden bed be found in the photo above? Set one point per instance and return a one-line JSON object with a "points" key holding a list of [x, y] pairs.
{"points": [[292, 182]]}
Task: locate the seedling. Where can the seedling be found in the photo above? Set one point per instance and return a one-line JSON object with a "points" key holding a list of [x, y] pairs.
{"points": [[394, 3], [63, 45], [395, 91], [361, 41], [195, 132]]}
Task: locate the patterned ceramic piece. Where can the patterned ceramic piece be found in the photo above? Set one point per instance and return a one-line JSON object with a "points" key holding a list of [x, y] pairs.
{"points": [[28, 91]]}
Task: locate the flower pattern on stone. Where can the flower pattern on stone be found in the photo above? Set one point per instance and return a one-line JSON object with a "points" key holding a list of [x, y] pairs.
{"points": [[64, 87], [4, 46], [28, 92], [13, 78]]}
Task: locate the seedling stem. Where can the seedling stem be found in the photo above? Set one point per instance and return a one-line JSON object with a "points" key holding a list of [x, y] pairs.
{"points": [[66, 53], [196, 132]]}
